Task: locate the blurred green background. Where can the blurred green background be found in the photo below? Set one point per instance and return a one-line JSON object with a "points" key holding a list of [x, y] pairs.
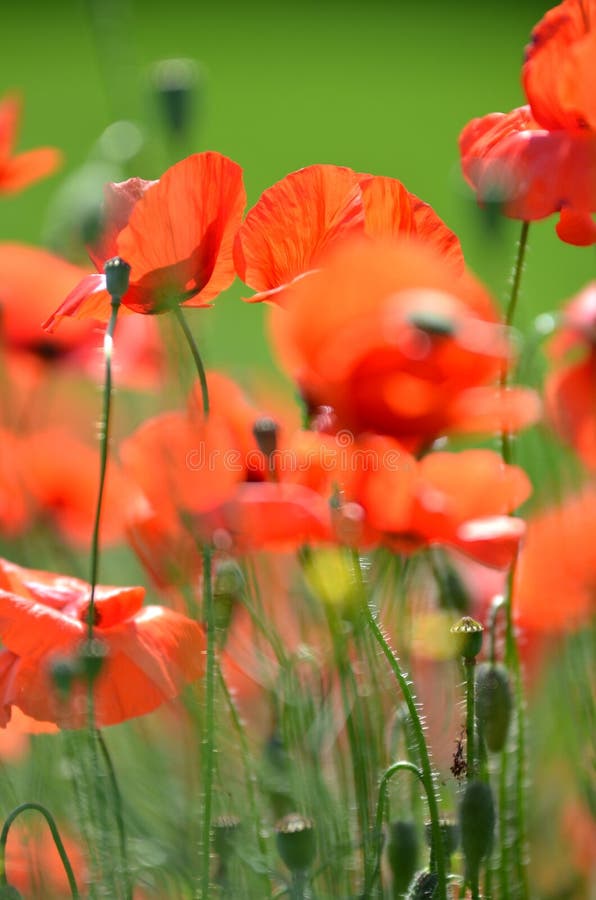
{"points": [[383, 87]]}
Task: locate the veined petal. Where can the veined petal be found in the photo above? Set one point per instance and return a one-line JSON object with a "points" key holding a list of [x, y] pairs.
{"points": [[294, 222]]}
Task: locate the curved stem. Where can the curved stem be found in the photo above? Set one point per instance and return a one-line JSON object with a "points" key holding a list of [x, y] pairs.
{"points": [[209, 722], [55, 835], [497, 604], [117, 796], [194, 350], [402, 765]]}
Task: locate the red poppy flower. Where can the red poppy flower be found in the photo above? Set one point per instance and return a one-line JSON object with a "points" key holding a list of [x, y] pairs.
{"points": [[14, 511], [393, 340], [556, 573], [541, 158], [18, 172], [32, 282], [151, 652], [295, 223], [571, 388], [59, 473], [33, 866], [175, 233]]}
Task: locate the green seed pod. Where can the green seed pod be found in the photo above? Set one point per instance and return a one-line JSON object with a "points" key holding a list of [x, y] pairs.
{"points": [[423, 886], [91, 657], [63, 672], [402, 854], [225, 829], [494, 703], [117, 273], [228, 588], [266, 431], [477, 824], [296, 842], [469, 635]]}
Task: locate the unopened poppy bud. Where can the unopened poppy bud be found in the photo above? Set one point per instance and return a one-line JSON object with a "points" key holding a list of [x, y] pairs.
{"points": [[117, 273], [449, 834], [63, 672], [402, 854], [494, 703], [91, 657], [296, 842], [477, 824], [175, 82], [225, 829], [228, 588], [423, 886], [469, 634], [266, 431], [8, 892]]}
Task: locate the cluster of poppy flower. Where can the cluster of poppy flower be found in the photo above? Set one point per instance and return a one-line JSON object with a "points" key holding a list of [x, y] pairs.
{"points": [[393, 344]]}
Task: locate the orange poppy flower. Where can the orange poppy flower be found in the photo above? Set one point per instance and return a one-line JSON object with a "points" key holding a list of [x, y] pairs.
{"points": [[32, 282], [175, 233], [59, 473], [151, 652], [287, 233], [14, 511], [395, 342], [556, 573], [18, 172], [541, 158], [570, 389]]}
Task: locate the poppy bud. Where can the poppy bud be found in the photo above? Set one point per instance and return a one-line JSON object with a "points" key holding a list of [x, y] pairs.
{"points": [[423, 886], [117, 273], [402, 854], [477, 823], [469, 635], [225, 829], [493, 705], [175, 82], [296, 841], [266, 431], [63, 672], [8, 892], [91, 657], [228, 587]]}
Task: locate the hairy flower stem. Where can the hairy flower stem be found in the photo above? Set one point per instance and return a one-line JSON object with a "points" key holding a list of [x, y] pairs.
{"points": [[196, 356], [117, 800], [403, 765], [470, 668], [209, 722], [55, 835], [511, 649], [428, 780]]}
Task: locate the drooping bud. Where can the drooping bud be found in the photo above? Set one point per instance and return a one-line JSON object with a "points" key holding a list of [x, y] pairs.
{"points": [[494, 703], [477, 824], [117, 272], [296, 841], [469, 634], [449, 835], [176, 82], [402, 854]]}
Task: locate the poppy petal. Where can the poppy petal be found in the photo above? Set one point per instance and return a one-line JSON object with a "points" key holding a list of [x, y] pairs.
{"points": [[26, 168]]}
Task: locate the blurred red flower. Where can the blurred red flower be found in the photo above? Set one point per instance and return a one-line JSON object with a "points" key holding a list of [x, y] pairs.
{"points": [[152, 652], [20, 170], [571, 388], [296, 221], [396, 342], [175, 233], [541, 158]]}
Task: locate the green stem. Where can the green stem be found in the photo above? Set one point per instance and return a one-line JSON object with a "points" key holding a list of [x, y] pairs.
{"points": [[497, 604], [401, 766], [509, 317], [428, 779], [55, 835], [209, 721], [117, 797], [194, 350], [470, 666]]}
